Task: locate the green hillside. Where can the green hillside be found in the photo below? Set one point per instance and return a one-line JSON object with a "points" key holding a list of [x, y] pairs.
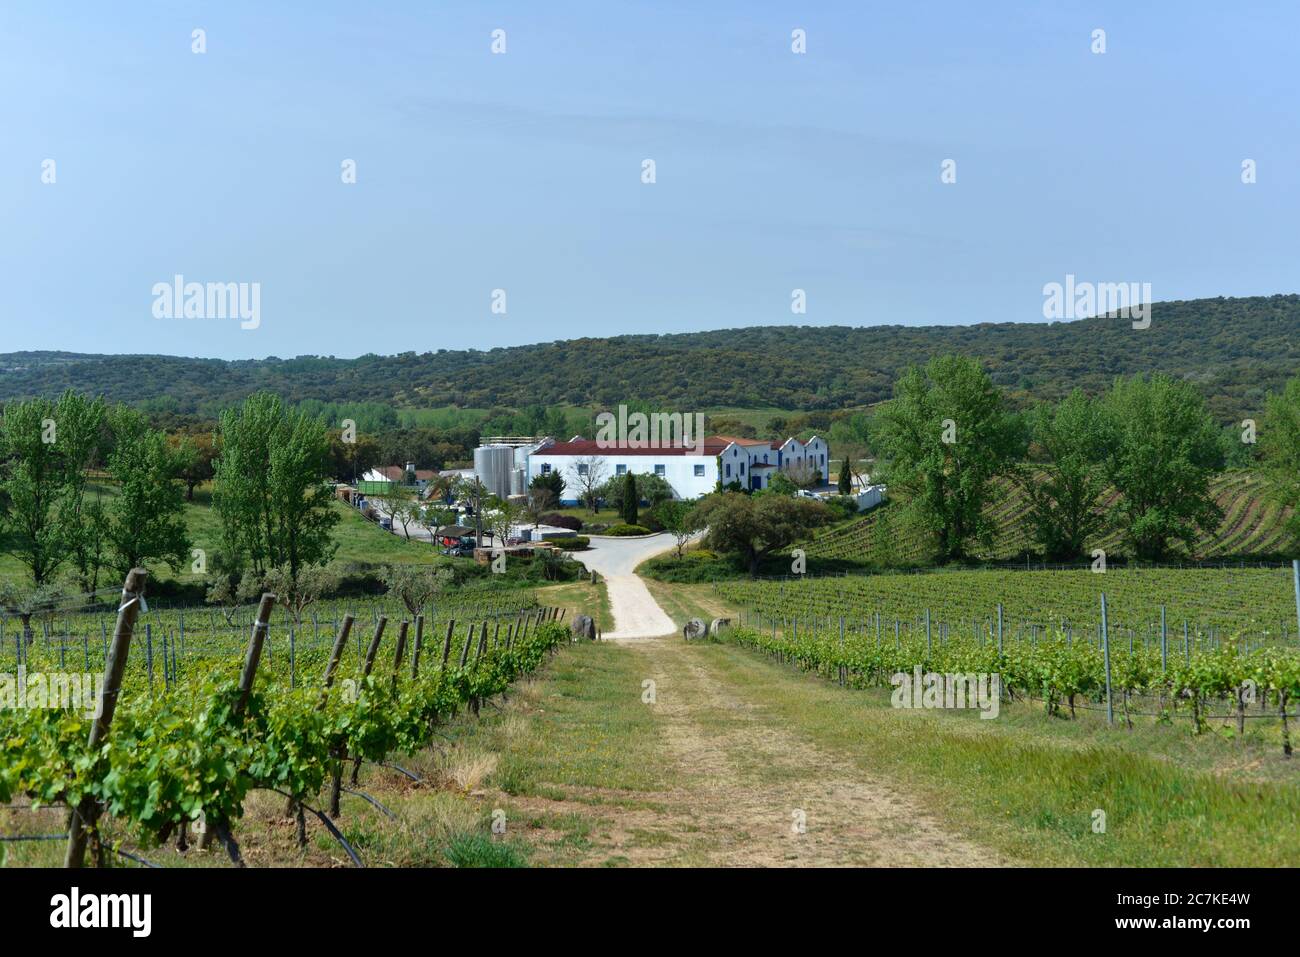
{"points": [[1252, 527], [1233, 349]]}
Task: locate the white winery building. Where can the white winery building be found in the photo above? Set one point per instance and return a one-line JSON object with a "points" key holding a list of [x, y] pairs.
{"points": [[691, 472]]}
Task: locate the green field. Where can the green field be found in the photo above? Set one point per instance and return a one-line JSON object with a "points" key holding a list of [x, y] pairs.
{"points": [[1225, 603], [359, 541]]}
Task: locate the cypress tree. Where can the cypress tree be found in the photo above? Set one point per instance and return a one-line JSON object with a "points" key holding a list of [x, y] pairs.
{"points": [[628, 507]]}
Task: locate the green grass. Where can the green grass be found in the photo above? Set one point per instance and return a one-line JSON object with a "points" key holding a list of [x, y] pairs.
{"points": [[359, 541], [592, 730], [581, 598], [1029, 785], [475, 849]]}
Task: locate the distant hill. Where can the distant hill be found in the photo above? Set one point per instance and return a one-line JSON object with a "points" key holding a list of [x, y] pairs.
{"points": [[1233, 349]]}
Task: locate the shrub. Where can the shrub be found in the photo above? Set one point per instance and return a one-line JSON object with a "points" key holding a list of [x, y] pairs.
{"points": [[623, 530], [844, 506], [695, 567], [571, 522], [575, 544]]}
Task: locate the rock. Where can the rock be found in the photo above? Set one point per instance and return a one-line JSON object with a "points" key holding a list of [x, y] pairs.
{"points": [[583, 626], [718, 625], [694, 628]]}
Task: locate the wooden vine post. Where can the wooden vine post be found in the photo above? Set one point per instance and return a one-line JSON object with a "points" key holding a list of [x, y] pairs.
{"points": [[336, 653], [371, 653], [400, 650], [340, 643], [464, 652], [419, 644], [446, 642], [82, 818], [373, 650], [256, 642]]}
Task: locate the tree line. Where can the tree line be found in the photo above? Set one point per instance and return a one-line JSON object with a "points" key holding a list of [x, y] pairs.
{"points": [[1137, 458], [1235, 350]]}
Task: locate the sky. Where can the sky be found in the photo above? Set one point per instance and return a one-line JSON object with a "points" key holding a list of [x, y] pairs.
{"points": [[523, 170]]}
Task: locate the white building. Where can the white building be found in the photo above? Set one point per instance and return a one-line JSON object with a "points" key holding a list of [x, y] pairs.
{"points": [[691, 472], [410, 476]]}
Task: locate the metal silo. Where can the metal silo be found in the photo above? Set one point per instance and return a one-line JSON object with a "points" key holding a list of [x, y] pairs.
{"points": [[493, 464]]}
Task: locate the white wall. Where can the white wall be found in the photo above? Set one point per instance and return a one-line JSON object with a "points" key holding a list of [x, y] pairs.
{"points": [[679, 471], [869, 497], [819, 454]]}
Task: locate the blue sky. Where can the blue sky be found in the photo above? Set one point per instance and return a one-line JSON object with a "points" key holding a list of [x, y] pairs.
{"points": [[522, 171]]}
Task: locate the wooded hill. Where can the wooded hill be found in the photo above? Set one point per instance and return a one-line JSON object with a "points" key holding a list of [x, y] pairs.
{"points": [[1234, 350]]}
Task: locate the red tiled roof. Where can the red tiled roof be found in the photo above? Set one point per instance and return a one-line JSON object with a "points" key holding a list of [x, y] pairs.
{"points": [[725, 439], [591, 447], [395, 473]]}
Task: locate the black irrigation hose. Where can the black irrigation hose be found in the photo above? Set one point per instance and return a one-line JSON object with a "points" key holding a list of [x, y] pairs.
{"points": [[1063, 704], [398, 768], [33, 837], [329, 825], [139, 860], [1157, 714], [64, 837], [366, 797]]}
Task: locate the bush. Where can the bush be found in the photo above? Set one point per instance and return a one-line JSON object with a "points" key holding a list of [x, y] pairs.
{"points": [[624, 530], [571, 522], [694, 567], [844, 506], [575, 544]]}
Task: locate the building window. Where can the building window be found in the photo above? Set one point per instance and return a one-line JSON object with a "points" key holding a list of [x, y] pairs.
{"points": [[660, 470], [620, 469], [546, 468], [699, 471], [728, 470], [582, 468], [742, 468]]}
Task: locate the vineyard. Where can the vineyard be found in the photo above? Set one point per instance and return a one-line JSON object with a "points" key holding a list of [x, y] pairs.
{"points": [[1253, 525], [171, 641], [1213, 605], [1065, 671], [190, 722]]}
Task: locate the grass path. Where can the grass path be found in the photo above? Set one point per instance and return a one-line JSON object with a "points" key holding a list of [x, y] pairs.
{"points": [[735, 749], [704, 774]]}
